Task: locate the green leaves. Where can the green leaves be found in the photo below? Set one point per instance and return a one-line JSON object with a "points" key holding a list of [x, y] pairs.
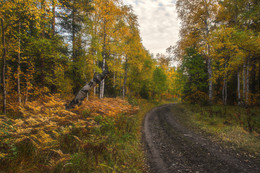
{"points": [[194, 73], [159, 81]]}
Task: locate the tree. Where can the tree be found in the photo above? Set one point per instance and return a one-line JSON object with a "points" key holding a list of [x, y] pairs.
{"points": [[39, 57], [197, 22], [74, 24], [239, 19], [225, 34], [194, 75], [159, 79], [14, 15]]}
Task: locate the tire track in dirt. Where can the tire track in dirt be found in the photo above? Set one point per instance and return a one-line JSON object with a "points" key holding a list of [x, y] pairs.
{"points": [[171, 147]]}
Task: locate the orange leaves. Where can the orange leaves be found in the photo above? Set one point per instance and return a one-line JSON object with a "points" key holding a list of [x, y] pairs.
{"points": [[46, 130], [111, 107], [43, 120]]}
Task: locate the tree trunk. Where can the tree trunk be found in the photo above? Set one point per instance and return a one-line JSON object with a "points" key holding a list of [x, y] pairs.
{"points": [[102, 85], [224, 92], [114, 79], [258, 78], [26, 91], [53, 17], [120, 83], [41, 60], [238, 89], [244, 82], [73, 34], [247, 81], [94, 71], [224, 89], [114, 74], [3, 67], [125, 78], [206, 23], [19, 67], [43, 18], [253, 77], [210, 82], [82, 94]]}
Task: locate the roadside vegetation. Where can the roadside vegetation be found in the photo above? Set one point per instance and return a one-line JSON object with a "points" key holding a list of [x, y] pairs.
{"points": [[234, 126]]}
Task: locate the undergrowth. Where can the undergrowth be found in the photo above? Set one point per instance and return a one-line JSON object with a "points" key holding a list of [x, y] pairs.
{"points": [[99, 136], [237, 126]]}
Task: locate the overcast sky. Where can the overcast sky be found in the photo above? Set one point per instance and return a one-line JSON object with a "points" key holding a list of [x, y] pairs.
{"points": [[158, 22]]}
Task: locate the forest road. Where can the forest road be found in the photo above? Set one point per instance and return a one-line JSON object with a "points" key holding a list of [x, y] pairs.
{"points": [[171, 147]]}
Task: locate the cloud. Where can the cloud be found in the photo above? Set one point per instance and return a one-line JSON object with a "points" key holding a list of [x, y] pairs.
{"points": [[158, 22]]}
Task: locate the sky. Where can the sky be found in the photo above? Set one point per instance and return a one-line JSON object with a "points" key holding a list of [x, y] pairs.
{"points": [[159, 27]]}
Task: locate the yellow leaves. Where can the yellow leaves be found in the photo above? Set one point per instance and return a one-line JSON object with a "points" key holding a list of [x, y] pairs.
{"points": [[44, 138], [3, 155], [49, 104], [108, 107], [18, 122], [24, 131], [32, 122]]}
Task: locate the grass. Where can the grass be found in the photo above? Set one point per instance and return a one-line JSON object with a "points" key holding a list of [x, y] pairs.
{"points": [[235, 126]]}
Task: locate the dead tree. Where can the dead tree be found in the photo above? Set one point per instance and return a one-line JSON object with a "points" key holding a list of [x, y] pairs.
{"points": [[82, 94]]}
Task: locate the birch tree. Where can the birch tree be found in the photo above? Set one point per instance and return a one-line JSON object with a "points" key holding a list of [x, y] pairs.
{"points": [[197, 16]]}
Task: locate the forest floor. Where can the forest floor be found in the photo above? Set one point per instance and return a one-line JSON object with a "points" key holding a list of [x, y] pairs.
{"points": [[101, 135], [172, 146]]}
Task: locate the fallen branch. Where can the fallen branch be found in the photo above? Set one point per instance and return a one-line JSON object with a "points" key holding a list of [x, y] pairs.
{"points": [[82, 94]]}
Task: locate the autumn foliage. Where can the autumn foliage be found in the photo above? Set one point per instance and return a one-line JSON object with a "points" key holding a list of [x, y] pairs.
{"points": [[219, 51], [44, 135]]}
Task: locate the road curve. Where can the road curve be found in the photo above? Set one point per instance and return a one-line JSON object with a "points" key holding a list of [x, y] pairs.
{"points": [[171, 147]]}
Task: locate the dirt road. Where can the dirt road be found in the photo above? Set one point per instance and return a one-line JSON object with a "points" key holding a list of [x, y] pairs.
{"points": [[171, 147]]}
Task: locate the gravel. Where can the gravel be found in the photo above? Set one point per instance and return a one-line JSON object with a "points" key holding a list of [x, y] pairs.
{"points": [[171, 147]]}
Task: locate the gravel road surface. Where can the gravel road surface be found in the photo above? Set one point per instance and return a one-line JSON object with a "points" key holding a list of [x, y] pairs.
{"points": [[171, 147]]}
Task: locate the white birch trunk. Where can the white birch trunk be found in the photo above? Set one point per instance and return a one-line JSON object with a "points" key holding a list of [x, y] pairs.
{"points": [[83, 93], [210, 82], [94, 71], [206, 23], [102, 84]]}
